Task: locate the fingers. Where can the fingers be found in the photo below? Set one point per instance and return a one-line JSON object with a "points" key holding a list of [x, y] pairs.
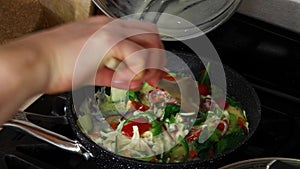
{"points": [[133, 60], [138, 64], [134, 46], [74, 51], [107, 77]]}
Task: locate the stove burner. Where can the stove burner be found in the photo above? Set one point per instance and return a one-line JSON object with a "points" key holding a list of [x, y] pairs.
{"points": [[277, 135]]}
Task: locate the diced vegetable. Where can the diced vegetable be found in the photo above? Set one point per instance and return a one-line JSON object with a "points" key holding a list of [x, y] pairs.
{"points": [[203, 89], [193, 134], [86, 122], [236, 110], [230, 140], [118, 94], [171, 110], [157, 126], [179, 153], [139, 106], [204, 77], [142, 124], [113, 120]]}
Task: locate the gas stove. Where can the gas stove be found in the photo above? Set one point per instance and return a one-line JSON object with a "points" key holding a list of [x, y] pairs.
{"points": [[266, 55]]}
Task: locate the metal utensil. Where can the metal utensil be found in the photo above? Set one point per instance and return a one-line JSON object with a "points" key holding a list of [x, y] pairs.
{"points": [[278, 164], [21, 122]]}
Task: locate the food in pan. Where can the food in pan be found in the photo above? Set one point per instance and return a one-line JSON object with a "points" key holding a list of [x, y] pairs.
{"points": [[149, 124]]}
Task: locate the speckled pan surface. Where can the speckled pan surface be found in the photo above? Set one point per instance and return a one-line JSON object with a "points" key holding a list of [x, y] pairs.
{"points": [[237, 86]]}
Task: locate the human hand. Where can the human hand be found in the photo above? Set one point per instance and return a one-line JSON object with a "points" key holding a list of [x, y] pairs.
{"points": [[135, 42], [50, 60]]}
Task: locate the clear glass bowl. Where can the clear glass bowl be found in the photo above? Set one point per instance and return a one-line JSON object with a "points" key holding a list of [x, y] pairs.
{"points": [[178, 19]]}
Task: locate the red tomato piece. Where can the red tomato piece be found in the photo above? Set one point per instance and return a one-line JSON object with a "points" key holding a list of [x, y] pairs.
{"points": [[193, 134], [193, 154], [203, 89], [242, 124], [154, 159], [139, 106], [113, 121], [114, 125], [170, 78], [142, 124], [221, 126]]}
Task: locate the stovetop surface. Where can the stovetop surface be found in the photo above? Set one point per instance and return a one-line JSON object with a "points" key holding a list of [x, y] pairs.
{"points": [[267, 56]]}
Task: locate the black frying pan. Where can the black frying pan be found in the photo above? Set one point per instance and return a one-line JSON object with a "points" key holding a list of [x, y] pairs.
{"points": [[237, 87]]}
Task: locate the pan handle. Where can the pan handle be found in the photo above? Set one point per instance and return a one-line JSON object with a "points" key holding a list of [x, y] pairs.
{"points": [[53, 138], [50, 119]]}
